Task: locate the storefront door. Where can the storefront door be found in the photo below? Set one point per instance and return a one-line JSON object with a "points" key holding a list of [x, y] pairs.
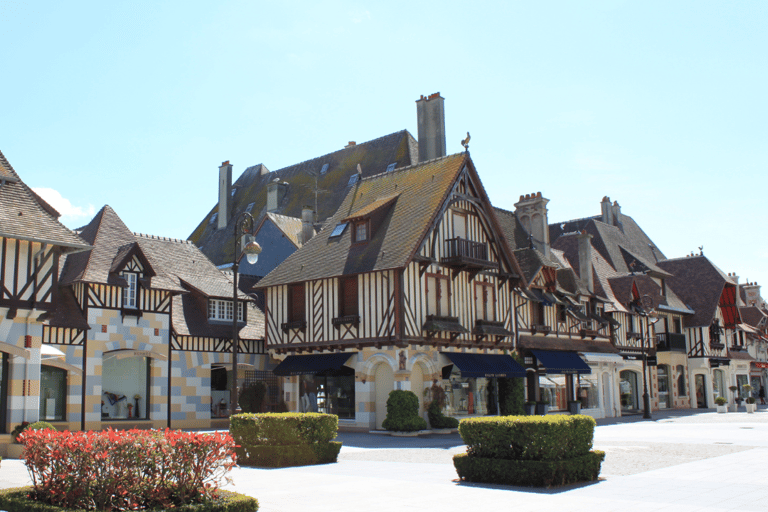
{"points": [[701, 391], [628, 389], [662, 373]]}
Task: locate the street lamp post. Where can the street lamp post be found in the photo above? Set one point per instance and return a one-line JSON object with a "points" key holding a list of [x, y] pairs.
{"points": [[647, 303], [245, 245]]}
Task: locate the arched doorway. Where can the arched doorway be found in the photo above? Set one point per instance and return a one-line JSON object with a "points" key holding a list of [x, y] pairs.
{"points": [[662, 376], [629, 391], [701, 390], [384, 382], [417, 385]]}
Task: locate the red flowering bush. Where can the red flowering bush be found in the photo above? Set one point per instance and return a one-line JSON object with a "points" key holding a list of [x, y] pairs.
{"points": [[126, 470]]}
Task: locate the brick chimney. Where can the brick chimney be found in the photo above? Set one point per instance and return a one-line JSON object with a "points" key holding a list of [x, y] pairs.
{"points": [[616, 212], [531, 211], [607, 211], [430, 116], [225, 194], [307, 224], [585, 261], [276, 191]]}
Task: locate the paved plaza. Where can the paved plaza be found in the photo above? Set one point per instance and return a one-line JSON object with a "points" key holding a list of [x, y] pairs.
{"points": [[678, 461]]}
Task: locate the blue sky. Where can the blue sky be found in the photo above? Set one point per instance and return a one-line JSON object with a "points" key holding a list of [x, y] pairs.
{"points": [[659, 105]]}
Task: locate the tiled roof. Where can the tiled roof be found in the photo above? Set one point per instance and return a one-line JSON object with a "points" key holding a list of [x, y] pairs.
{"points": [[24, 216], [754, 316], [699, 284], [373, 157], [513, 231], [422, 190], [290, 226]]}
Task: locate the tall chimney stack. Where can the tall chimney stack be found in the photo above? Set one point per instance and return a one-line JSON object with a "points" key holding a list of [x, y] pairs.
{"points": [[606, 210], [430, 115], [307, 226], [225, 193], [531, 211], [585, 261]]}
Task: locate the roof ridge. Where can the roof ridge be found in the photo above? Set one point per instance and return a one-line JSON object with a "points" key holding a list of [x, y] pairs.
{"points": [[162, 238], [410, 167]]}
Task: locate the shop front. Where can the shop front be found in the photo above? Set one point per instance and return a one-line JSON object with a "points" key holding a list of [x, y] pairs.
{"points": [[553, 378]]}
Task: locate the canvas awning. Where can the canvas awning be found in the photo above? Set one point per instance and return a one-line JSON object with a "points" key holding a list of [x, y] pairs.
{"points": [[312, 364], [561, 362], [485, 365]]}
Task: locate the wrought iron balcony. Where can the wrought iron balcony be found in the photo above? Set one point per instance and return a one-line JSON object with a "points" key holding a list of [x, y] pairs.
{"points": [[670, 341], [463, 253]]}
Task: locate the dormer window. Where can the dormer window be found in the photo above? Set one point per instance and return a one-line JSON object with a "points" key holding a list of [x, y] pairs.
{"points": [[222, 310], [130, 291], [361, 231]]}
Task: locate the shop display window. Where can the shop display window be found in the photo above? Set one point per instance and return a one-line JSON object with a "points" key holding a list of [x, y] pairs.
{"points": [[588, 395], [554, 392], [465, 397], [53, 393], [125, 386], [329, 394]]}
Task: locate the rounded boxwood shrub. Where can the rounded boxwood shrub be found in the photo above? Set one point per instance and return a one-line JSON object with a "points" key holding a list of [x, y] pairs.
{"points": [[252, 396], [403, 412], [720, 400]]}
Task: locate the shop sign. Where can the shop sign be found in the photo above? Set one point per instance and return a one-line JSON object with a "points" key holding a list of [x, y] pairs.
{"points": [[652, 361]]}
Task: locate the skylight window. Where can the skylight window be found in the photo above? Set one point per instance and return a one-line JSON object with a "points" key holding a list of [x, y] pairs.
{"points": [[353, 179], [213, 217], [324, 169], [249, 207], [339, 229], [233, 191], [391, 167]]}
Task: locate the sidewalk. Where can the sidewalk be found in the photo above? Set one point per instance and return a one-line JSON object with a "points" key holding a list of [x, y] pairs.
{"points": [[378, 473]]}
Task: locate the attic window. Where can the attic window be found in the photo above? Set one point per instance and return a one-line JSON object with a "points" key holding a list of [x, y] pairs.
{"points": [[213, 218], [391, 167], [233, 191], [361, 231], [339, 229], [249, 207], [324, 169], [353, 179]]}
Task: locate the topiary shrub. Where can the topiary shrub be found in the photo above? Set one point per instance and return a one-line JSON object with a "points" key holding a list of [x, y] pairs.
{"points": [[285, 439], [528, 450], [720, 400], [403, 412], [252, 396], [38, 425], [512, 393], [439, 420]]}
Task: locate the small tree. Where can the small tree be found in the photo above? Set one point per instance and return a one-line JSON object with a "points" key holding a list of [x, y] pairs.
{"points": [[435, 409], [251, 397]]}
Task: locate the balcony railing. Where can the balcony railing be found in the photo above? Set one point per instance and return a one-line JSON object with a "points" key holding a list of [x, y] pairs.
{"points": [[670, 341], [461, 252]]}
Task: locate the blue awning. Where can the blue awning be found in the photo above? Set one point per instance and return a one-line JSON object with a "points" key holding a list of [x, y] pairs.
{"points": [[485, 365], [312, 364], [555, 361]]}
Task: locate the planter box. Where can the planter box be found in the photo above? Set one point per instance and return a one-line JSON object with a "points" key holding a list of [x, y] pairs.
{"points": [[751, 408], [542, 409], [722, 408], [574, 407], [530, 409]]}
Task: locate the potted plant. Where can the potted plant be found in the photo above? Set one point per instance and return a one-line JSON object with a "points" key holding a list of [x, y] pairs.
{"points": [[750, 400], [721, 402], [542, 408], [574, 407], [736, 399], [530, 408]]}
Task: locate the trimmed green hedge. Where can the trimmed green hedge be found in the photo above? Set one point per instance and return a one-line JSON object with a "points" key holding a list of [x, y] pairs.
{"points": [[439, 420], [403, 412], [16, 500], [285, 439], [528, 450], [529, 473], [555, 437], [289, 455]]}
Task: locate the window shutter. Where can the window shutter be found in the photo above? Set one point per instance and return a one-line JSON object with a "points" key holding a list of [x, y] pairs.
{"points": [[349, 296], [297, 302]]}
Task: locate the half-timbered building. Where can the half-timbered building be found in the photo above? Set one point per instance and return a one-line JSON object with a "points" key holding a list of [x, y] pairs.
{"points": [[407, 285], [149, 319], [716, 337], [32, 244]]}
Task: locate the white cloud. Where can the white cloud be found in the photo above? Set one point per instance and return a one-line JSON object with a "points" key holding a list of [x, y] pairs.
{"points": [[360, 16], [69, 212]]}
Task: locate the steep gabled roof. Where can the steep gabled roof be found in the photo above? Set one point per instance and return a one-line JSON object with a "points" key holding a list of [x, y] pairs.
{"points": [[373, 157], [699, 284], [408, 202], [289, 226], [25, 216]]}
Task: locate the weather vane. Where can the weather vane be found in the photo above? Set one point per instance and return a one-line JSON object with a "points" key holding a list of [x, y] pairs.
{"points": [[465, 142]]}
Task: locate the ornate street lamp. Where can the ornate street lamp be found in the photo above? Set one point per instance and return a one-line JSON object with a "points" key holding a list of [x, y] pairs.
{"points": [[245, 245], [647, 303]]}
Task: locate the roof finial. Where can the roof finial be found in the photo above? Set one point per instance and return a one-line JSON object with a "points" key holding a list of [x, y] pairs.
{"points": [[465, 142]]}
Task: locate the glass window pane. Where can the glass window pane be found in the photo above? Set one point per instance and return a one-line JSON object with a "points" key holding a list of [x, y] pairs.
{"points": [[53, 393]]}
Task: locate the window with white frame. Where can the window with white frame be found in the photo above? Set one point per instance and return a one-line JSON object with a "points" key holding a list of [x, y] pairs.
{"points": [[222, 310], [130, 291]]}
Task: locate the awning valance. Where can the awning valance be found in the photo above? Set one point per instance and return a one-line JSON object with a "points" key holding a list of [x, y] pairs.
{"points": [[312, 364], [561, 362], [485, 365], [599, 357]]}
